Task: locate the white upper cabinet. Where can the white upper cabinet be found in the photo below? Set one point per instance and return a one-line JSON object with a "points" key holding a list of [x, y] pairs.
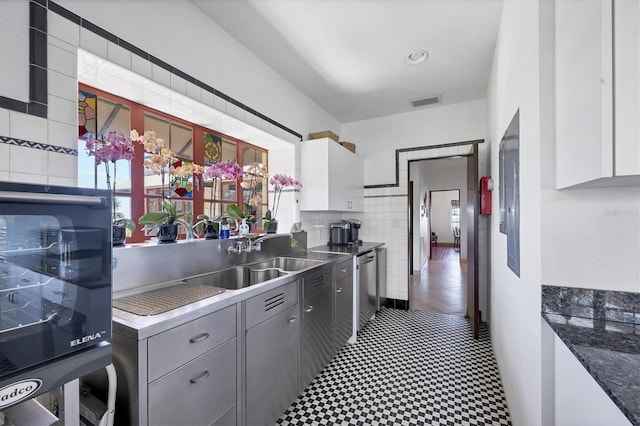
{"points": [[332, 177], [597, 91], [626, 37]]}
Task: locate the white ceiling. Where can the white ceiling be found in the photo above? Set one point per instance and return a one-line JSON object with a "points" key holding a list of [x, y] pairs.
{"points": [[348, 55]]}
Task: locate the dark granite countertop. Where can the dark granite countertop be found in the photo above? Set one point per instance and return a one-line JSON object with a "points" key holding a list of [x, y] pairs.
{"points": [[602, 329], [346, 249]]}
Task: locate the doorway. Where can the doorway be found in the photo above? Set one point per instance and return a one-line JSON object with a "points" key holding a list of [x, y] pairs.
{"points": [[445, 279]]}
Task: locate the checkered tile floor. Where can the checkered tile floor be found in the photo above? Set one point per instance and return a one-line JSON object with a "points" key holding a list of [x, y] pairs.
{"points": [[408, 368]]}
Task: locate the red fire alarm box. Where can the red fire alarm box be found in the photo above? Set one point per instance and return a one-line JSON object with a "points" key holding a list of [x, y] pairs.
{"points": [[486, 186]]}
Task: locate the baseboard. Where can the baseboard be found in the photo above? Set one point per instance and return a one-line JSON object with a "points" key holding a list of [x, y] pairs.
{"points": [[397, 304]]}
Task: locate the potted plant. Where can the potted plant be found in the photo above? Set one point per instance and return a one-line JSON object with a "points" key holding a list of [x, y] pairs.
{"points": [[279, 182], [165, 222], [251, 177], [161, 161], [227, 170], [109, 151]]}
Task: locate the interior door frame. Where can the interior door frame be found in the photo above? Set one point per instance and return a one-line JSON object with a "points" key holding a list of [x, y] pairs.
{"points": [[473, 211]]}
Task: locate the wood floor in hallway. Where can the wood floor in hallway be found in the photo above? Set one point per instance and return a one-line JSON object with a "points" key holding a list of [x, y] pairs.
{"points": [[440, 287]]}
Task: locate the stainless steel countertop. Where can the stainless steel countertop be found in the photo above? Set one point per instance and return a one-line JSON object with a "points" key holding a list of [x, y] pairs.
{"points": [[141, 327], [346, 249]]}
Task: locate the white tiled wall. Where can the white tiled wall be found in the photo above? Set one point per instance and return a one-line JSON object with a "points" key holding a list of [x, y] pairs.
{"points": [[385, 219]]}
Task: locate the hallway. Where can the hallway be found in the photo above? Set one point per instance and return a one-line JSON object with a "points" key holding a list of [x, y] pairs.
{"points": [[440, 287]]}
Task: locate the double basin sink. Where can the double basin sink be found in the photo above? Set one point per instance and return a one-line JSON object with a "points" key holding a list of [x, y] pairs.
{"points": [[242, 276]]}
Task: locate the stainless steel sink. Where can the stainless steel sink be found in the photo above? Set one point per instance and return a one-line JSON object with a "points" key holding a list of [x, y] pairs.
{"points": [[247, 275], [288, 264], [232, 279]]}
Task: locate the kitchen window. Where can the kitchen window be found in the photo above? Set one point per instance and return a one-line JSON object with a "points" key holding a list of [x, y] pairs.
{"points": [[138, 190]]}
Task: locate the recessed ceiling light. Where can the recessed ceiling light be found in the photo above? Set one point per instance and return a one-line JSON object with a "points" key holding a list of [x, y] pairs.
{"points": [[416, 57]]}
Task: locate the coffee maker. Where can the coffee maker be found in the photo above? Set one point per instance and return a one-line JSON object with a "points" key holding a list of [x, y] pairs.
{"points": [[345, 232]]}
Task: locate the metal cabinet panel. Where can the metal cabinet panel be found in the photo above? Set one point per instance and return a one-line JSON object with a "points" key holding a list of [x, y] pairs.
{"points": [[316, 345], [271, 367], [343, 324], [343, 269], [206, 388], [174, 347], [269, 303], [316, 281], [366, 287], [227, 419]]}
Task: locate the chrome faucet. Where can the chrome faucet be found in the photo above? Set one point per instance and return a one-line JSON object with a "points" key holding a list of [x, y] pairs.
{"points": [[256, 244], [238, 247]]}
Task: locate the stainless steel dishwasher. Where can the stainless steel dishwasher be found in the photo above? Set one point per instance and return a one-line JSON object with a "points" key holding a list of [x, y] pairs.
{"points": [[366, 265]]}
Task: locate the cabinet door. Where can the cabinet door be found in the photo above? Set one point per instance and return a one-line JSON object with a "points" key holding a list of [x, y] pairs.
{"points": [[340, 177], [627, 87], [344, 310], [198, 392], [316, 347], [272, 367], [584, 91]]}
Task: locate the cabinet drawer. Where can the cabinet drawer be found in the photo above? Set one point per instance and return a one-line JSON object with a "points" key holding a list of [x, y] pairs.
{"points": [[198, 392], [270, 303], [174, 347], [343, 269], [316, 281]]}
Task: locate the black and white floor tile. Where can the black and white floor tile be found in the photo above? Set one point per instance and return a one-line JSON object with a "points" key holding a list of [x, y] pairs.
{"points": [[408, 368]]}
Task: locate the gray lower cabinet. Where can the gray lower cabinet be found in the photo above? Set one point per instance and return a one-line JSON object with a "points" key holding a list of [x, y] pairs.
{"points": [[343, 294], [316, 338], [271, 354], [198, 392]]}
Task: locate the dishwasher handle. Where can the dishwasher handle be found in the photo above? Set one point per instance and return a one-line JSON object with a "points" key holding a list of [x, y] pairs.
{"points": [[367, 259]]}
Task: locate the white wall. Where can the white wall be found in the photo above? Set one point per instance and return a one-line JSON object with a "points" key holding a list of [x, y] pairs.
{"points": [[205, 51], [515, 302], [441, 214], [14, 33], [378, 138]]}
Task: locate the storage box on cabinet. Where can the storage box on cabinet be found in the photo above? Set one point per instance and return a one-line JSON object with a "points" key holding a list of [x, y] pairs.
{"points": [[198, 392], [333, 177], [179, 345]]}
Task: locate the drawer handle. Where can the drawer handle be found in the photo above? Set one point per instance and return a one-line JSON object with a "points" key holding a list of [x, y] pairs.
{"points": [[309, 308], [292, 319], [338, 290], [344, 270], [199, 338], [201, 377]]}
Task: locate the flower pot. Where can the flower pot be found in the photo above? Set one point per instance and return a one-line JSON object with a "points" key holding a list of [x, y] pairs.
{"points": [[168, 233], [119, 235], [210, 232], [273, 227]]}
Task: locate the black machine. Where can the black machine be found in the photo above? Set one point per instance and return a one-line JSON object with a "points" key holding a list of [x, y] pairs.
{"points": [[55, 280], [345, 233]]}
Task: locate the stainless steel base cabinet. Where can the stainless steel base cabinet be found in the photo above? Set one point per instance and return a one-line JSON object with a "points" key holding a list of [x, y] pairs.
{"points": [[343, 293], [271, 354], [316, 345], [198, 392], [366, 264]]}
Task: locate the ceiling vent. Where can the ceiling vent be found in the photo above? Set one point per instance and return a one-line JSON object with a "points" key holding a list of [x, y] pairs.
{"points": [[430, 100]]}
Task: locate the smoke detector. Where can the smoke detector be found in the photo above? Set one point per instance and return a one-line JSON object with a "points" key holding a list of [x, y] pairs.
{"points": [[429, 100], [416, 57]]}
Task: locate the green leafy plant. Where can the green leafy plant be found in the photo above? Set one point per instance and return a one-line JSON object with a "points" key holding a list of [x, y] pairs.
{"points": [[168, 216], [204, 221]]}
